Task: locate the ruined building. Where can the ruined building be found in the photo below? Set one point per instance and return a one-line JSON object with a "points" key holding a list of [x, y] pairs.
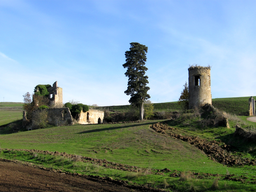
{"points": [[59, 115], [199, 86], [55, 95], [55, 98]]}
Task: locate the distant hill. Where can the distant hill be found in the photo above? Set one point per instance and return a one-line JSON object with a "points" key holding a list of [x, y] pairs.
{"points": [[233, 105]]}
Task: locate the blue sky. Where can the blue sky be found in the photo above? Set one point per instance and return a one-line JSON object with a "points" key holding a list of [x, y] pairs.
{"points": [[81, 44]]}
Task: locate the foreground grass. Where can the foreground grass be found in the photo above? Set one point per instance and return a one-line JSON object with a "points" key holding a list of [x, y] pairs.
{"points": [[132, 144], [148, 177]]}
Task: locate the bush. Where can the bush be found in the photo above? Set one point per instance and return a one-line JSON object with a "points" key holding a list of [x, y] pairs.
{"points": [[85, 108], [76, 110], [39, 118], [131, 115], [68, 105], [42, 90], [39, 100], [148, 107], [43, 107]]}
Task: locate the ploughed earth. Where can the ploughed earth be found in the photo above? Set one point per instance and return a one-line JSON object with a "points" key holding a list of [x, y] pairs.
{"points": [[18, 177]]}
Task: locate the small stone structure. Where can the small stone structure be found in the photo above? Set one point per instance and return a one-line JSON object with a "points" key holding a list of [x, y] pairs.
{"points": [[91, 117], [251, 106], [199, 86]]}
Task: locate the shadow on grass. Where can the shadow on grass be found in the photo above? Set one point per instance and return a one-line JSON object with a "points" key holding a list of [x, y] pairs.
{"points": [[239, 145], [12, 127], [119, 127]]}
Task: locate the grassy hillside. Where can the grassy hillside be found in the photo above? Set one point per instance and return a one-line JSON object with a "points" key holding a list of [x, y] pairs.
{"points": [[235, 105], [155, 159], [9, 112], [134, 144]]}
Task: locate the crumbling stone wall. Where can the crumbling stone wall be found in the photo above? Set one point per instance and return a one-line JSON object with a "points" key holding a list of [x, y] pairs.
{"points": [[59, 116], [55, 116], [91, 117], [199, 86], [55, 95]]}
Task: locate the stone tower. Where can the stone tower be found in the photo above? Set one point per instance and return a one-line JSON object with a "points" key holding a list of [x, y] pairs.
{"points": [[55, 95], [199, 86]]}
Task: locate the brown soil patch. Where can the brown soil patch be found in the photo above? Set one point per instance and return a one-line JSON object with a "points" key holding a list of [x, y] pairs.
{"points": [[18, 177]]}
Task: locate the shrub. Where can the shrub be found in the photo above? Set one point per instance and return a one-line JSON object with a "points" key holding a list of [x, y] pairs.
{"points": [[76, 110], [43, 107], [149, 107], [39, 100], [42, 90], [85, 108], [39, 118], [68, 105]]}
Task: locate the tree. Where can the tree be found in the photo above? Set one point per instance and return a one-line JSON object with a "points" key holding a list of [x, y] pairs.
{"points": [[137, 80], [27, 98], [184, 97]]}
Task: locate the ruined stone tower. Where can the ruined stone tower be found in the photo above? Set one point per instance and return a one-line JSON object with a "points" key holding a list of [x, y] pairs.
{"points": [[199, 86], [55, 95]]}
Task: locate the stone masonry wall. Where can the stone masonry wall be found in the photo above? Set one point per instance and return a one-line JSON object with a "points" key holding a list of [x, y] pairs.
{"points": [[59, 116], [199, 86], [91, 117]]}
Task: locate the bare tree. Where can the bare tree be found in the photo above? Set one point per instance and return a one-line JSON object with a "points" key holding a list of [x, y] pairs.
{"points": [[27, 98]]}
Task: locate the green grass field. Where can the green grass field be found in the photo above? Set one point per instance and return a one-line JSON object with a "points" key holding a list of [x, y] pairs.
{"points": [[134, 144], [130, 144], [10, 112]]}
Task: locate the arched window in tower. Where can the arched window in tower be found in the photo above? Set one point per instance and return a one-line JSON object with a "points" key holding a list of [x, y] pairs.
{"points": [[197, 80]]}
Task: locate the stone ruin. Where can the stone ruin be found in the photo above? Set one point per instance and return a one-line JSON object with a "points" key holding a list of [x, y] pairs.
{"points": [[199, 86], [200, 96], [58, 115], [251, 106], [55, 95]]}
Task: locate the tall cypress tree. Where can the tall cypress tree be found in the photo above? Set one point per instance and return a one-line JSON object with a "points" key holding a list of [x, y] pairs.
{"points": [[137, 80]]}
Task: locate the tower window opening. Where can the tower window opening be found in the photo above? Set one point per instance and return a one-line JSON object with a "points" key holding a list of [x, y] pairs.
{"points": [[88, 116], [197, 81]]}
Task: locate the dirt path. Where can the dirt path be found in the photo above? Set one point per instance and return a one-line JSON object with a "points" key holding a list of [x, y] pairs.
{"points": [[252, 119], [18, 177]]}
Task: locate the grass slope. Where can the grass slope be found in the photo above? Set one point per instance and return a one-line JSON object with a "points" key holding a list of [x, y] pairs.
{"points": [[131, 144], [134, 144], [9, 112]]}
